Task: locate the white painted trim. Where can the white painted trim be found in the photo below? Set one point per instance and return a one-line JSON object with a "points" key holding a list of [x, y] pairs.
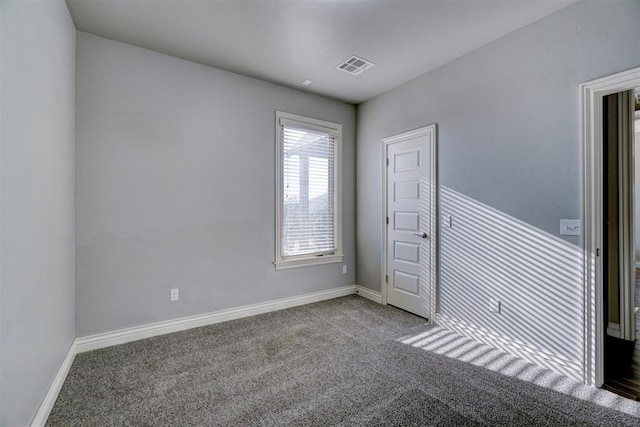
{"points": [[570, 368], [626, 226], [307, 261], [433, 227], [335, 129], [613, 330], [50, 397], [591, 128], [425, 130], [121, 336], [384, 220], [367, 293]]}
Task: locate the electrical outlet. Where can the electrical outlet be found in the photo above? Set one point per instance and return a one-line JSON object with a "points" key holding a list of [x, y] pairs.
{"points": [[344, 269], [175, 296], [494, 305]]}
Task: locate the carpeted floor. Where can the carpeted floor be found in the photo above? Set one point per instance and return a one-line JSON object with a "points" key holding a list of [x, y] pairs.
{"points": [[338, 362]]}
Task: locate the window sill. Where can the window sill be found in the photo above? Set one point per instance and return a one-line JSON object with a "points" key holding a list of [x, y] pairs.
{"points": [[306, 262]]}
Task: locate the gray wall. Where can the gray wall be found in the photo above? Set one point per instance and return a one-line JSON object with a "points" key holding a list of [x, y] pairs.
{"points": [[37, 275], [509, 169], [175, 188]]}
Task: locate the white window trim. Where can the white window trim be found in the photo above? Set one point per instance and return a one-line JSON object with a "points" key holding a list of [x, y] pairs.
{"points": [[329, 127]]}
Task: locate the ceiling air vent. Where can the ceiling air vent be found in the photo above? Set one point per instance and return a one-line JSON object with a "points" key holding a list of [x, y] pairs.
{"points": [[355, 65]]}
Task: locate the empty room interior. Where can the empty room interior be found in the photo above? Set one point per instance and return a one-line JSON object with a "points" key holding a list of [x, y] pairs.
{"points": [[316, 212]]}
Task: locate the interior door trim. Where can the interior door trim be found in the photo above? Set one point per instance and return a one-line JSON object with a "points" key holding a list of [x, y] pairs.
{"points": [[433, 227], [591, 129]]}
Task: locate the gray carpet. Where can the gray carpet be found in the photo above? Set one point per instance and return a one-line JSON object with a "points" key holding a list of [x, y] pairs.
{"points": [[338, 362]]}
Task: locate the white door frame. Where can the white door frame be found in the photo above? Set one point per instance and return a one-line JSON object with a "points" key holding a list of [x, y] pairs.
{"points": [[433, 227], [592, 94]]}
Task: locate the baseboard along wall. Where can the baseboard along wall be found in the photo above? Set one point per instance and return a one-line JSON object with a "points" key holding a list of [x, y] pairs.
{"points": [[570, 368], [122, 336], [40, 419], [107, 339], [367, 293]]}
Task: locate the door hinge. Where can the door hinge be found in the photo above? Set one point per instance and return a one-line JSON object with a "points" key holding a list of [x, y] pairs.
{"points": [[387, 161], [597, 251], [386, 278], [387, 220]]}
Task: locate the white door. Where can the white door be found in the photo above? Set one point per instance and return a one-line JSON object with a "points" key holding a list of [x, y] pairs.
{"points": [[410, 242]]}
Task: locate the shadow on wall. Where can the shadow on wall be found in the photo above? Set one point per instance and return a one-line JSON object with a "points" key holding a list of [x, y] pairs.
{"points": [[447, 343], [536, 276]]}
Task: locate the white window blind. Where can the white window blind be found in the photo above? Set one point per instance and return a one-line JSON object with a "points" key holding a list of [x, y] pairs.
{"points": [[308, 190], [308, 197]]}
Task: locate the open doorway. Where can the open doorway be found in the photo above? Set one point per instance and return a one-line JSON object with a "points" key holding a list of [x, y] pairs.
{"points": [[595, 304], [619, 236]]}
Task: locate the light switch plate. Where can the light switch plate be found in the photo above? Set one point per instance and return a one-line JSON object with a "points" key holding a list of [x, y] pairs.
{"points": [[570, 227]]}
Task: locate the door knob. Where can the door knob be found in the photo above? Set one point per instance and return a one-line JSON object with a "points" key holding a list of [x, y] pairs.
{"points": [[423, 235]]}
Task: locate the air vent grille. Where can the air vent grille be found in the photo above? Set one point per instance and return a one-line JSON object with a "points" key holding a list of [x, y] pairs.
{"points": [[355, 65]]}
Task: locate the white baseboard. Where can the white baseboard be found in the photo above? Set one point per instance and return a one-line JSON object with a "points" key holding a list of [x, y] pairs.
{"points": [[369, 294], [121, 336], [569, 368], [613, 330], [50, 397]]}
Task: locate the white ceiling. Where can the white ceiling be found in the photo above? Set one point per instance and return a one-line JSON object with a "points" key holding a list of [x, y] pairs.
{"points": [[288, 41]]}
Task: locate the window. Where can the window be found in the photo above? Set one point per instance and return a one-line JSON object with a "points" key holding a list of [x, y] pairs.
{"points": [[308, 191]]}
